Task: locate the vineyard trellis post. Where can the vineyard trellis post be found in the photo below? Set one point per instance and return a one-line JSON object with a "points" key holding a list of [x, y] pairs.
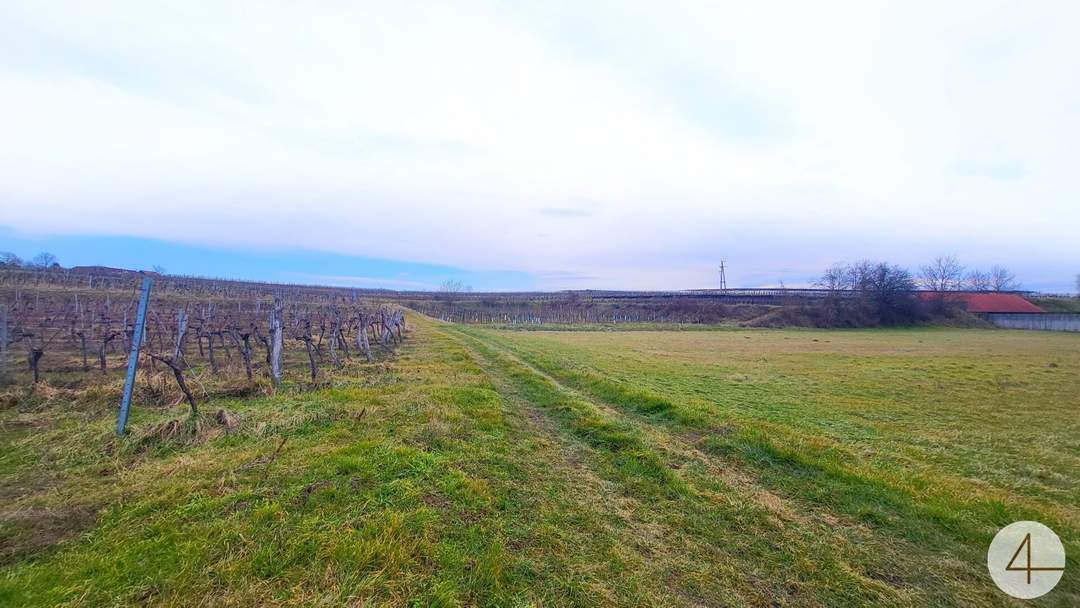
{"points": [[133, 358], [276, 341], [3, 343]]}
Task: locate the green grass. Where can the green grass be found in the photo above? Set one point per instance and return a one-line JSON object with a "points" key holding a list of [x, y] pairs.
{"points": [[930, 439], [621, 326], [592, 468], [1058, 304]]}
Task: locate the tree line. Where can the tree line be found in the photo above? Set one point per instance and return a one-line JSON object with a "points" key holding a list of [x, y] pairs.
{"points": [[871, 292], [40, 261], [944, 273]]}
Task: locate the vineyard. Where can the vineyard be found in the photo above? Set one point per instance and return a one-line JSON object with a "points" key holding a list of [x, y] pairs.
{"points": [[75, 329], [571, 308], [746, 307]]}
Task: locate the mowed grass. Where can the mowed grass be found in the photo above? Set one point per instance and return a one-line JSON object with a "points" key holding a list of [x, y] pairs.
{"points": [[498, 468], [997, 408], [412, 484], [926, 440]]}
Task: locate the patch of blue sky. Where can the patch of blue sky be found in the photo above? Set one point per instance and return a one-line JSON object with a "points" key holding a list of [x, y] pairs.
{"points": [[285, 265]]}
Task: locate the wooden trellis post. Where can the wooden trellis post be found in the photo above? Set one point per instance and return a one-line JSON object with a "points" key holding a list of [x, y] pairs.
{"points": [[276, 339]]}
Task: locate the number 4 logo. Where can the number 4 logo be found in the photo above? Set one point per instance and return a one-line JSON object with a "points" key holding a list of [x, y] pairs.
{"points": [[1030, 548], [1028, 567]]}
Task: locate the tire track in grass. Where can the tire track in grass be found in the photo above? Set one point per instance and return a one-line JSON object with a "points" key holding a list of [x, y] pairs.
{"points": [[909, 536], [742, 538], [556, 515], [678, 448], [637, 541]]}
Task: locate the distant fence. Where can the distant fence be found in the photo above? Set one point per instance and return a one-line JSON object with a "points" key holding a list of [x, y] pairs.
{"points": [[1035, 320]]}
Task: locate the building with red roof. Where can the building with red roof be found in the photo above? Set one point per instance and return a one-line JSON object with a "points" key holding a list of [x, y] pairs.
{"points": [[983, 302]]}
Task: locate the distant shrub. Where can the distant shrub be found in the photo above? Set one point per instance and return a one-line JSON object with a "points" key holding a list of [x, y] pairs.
{"points": [[869, 293]]}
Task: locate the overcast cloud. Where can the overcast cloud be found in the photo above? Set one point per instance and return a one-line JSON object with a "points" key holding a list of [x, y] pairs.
{"points": [[587, 144]]}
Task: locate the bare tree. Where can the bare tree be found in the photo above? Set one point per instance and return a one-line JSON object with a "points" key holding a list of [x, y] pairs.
{"points": [[10, 259], [44, 260], [1002, 279], [860, 273], [880, 290], [945, 273], [836, 278], [450, 288], [978, 280], [890, 289]]}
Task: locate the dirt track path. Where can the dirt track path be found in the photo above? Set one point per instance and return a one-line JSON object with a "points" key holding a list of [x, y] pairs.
{"points": [[717, 534]]}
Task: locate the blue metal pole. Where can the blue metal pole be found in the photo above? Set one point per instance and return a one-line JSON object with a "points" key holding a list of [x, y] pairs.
{"points": [[133, 359]]}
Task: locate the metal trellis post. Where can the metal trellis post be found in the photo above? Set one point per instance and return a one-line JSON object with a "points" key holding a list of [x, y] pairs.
{"points": [[133, 359], [3, 344]]}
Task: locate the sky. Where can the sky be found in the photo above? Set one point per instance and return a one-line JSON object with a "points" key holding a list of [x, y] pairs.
{"points": [[542, 145], [297, 266]]}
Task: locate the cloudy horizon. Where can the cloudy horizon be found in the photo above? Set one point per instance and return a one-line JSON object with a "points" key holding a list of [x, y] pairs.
{"points": [[544, 145]]}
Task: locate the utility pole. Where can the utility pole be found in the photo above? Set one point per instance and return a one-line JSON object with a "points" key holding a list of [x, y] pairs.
{"points": [[723, 278]]}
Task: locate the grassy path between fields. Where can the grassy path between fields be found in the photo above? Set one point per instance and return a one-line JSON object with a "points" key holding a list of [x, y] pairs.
{"points": [[874, 542]]}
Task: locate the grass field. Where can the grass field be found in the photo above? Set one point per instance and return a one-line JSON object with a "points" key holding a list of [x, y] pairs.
{"points": [[572, 468], [1058, 304]]}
